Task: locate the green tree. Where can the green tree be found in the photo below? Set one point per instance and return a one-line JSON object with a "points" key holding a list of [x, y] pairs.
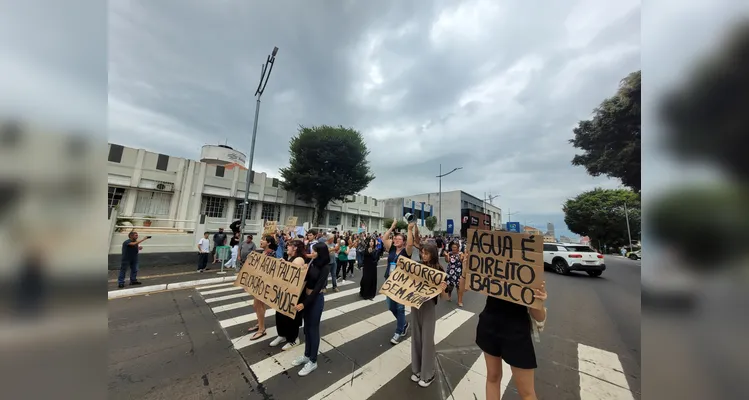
{"points": [[610, 140], [600, 215], [705, 118], [431, 222], [400, 225], [326, 163], [708, 225]]}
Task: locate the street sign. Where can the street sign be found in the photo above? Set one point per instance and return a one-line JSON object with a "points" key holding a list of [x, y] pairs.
{"points": [[450, 227], [513, 226]]}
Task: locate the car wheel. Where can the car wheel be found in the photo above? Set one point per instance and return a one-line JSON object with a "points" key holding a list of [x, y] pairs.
{"points": [[632, 257], [560, 267], [595, 274]]}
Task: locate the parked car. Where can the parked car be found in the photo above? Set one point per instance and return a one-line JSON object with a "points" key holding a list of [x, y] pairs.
{"points": [[563, 258], [635, 255]]}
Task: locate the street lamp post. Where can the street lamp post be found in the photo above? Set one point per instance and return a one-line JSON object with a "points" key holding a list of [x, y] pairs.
{"points": [[439, 209], [266, 67]]}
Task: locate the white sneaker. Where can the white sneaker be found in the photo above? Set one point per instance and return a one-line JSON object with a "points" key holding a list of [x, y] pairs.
{"points": [[277, 341], [424, 383], [415, 377], [288, 345], [309, 367], [299, 361], [396, 338]]}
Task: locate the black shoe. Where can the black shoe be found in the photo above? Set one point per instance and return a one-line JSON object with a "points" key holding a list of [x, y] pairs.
{"points": [[121, 285], [136, 283]]}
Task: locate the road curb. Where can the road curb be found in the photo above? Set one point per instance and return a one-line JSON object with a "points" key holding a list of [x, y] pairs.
{"points": [[116, 294]]}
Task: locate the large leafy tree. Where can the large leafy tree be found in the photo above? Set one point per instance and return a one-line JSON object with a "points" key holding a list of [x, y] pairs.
{"points": [[399, 226], [705, 118], [600, 215], [326, 163], [431, 222], [610, 140]]}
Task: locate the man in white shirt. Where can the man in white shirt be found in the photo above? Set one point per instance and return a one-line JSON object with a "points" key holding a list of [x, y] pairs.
{"points": [[204, 249]]}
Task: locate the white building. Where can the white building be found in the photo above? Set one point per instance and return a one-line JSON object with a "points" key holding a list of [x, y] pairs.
{"points": [[397, 207], [177, 193], [458, 206]]}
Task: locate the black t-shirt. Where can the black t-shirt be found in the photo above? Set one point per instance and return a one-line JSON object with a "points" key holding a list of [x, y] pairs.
{"points": [[129, 253], [507, 319], [440, 243], [219, 239]]}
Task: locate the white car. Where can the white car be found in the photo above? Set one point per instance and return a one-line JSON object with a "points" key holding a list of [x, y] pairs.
{"points": [[563, 258]]}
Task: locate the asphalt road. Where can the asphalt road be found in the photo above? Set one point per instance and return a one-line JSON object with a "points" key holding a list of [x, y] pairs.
{"points": [[192, 344]]}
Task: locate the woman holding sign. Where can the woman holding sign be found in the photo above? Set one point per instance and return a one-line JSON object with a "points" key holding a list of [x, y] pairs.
{"points": [[288, 328], [424, 320], [396, 247], [312, 303], [268, 247], [505, 332]]}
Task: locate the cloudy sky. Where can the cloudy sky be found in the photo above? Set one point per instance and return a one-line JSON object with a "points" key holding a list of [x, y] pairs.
{"points": [[493, 86]]}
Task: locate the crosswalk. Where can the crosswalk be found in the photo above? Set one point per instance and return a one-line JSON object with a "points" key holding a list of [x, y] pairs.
{"points": [[357, 361]]}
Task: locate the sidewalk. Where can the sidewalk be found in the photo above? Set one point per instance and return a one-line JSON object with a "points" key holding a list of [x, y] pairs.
{"points": [[157, 279]]}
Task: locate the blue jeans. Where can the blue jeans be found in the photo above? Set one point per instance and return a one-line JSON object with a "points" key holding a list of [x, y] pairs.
{"points": [[334, 272], [399, 311], [312, 317], [133, 266]]}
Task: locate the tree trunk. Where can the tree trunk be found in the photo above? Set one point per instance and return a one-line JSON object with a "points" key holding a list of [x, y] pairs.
{"points": [[320, 213]]}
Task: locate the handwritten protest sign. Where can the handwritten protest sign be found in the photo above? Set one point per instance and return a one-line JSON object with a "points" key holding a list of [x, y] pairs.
{"points": [[270, 228], [505, 265], [412, 284], [291, 222], [275, 282]]}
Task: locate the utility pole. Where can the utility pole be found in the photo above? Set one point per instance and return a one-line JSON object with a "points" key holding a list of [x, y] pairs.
{"points": [[629, 234], [439, 209], [268, 66]]}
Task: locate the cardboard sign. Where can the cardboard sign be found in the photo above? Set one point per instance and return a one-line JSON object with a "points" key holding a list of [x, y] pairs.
{"points": [[291, 222], [275, 282], [505, 265], [412, 284], [270, 228]]}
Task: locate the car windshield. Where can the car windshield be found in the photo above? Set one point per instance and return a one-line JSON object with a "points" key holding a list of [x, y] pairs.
{"points": [[581, 249]]}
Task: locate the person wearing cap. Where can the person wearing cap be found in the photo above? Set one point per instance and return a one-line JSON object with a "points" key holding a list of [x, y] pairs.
{"points": [[219, 239]]}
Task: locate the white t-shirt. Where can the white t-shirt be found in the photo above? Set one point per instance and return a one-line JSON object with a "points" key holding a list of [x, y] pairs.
{"points": [[205, 245]]}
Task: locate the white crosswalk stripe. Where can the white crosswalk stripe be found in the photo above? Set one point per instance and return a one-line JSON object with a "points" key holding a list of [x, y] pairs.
{"points": [[377, 373], [601, 374]]}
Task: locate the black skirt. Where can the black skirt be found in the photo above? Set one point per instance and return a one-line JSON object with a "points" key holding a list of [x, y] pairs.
{"points": [[514, 346], [288, 328]]}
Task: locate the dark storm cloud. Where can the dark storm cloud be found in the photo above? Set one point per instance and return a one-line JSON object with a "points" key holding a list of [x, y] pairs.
{"points": [[495, 87]]}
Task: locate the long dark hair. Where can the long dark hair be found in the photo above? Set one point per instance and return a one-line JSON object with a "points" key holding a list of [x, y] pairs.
{"points": [[299, 249], [434, 258], [323, 255]]}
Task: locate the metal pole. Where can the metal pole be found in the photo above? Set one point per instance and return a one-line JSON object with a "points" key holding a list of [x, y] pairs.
{"points": [[249, 171], [440, 199], [626, 214]]}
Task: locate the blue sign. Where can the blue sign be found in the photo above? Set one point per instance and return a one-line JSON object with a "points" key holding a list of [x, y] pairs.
{"points": [[450, 227], [513, 227]]}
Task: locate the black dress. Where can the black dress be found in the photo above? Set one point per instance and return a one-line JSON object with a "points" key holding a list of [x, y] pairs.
{"points": [[504, 330], [368, 289]]}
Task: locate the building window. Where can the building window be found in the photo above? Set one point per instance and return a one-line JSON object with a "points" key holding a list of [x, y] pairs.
{"points": [[274, 183], [220, 171], [270, 212], [115, 196], [115, 153], [354, 221], [334, 218], [153, 203], [214, 207], [365, 199], [375, 202], [238, 209], [252, 176], [162, 162]]}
